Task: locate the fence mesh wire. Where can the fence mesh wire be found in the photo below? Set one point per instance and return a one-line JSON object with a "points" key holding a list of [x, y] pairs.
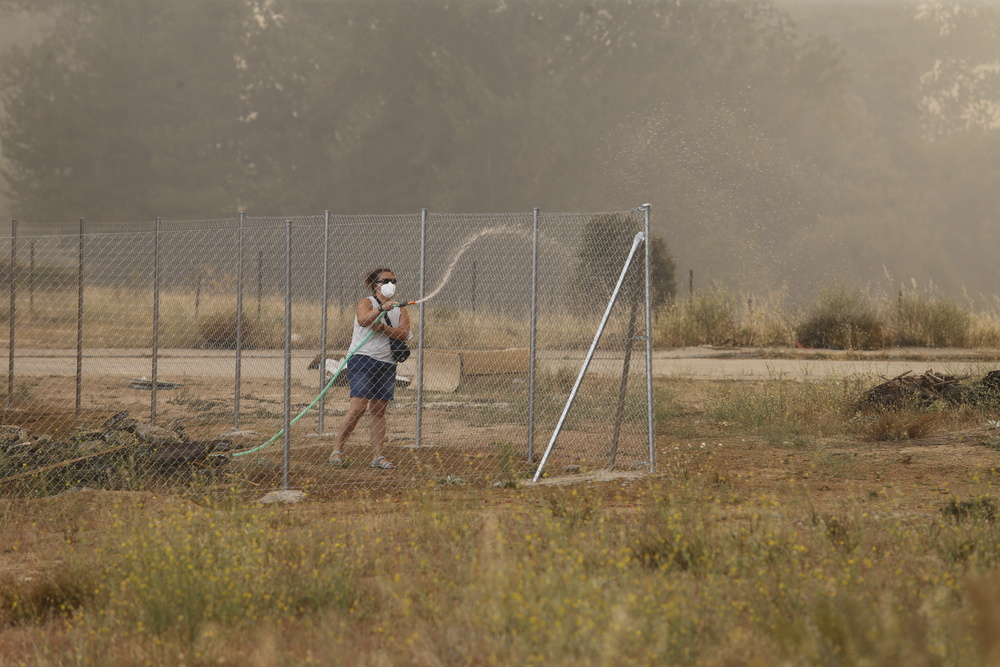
{"points": [[146, 356]]}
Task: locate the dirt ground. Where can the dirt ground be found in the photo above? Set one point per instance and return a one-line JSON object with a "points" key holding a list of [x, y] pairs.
{"points": [[949, 459], [465, 436]]}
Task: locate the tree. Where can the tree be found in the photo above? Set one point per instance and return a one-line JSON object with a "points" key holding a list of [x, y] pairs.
{"points": [[298, 105], [132, 131], [961, 90], [607, 241]]}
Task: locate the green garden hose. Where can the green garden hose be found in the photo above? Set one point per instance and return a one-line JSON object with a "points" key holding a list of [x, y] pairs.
{"points": [[343, 365]]}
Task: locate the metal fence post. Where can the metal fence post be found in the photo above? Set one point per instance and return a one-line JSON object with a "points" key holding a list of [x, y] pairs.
{"points": [[237, 379], [154, 372], [649, 349], [79, 321], [31, 279], [286, 460], [533, 315], [13, 311], [260, 279], [323, 320], [423, 325]]}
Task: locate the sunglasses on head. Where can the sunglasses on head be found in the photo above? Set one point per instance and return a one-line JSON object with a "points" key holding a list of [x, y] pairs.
{"points": [[385, 280]]}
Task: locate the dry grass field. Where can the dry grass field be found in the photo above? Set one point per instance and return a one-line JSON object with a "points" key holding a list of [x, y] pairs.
{"points": [[782, 526]]}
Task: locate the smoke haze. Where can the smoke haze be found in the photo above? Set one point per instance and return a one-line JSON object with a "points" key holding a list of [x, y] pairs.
{"points": [[792, 144]]}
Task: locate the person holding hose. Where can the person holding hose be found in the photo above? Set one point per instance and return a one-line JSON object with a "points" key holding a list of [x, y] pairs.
{"points": [[371, 372]]}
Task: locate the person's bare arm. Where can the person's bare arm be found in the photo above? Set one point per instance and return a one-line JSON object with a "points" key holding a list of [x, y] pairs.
{"points": [[401, 332], [366, 313]]}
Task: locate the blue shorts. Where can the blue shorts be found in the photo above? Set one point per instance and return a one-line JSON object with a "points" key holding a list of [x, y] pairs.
{"points": [[371, 378]]}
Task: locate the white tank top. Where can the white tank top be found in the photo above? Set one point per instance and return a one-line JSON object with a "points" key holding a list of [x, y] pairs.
{"points": [[376, 347]]}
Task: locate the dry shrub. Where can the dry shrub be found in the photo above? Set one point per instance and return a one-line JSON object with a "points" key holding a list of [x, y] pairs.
{"points": [[984, 330], [219, 331], [707, 317], [894, 425], [844, 319], [767, 321], [931, 321]]}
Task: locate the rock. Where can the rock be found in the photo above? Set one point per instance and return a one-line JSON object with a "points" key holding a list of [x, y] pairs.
{"points": [[283, 497], [157, 435], [113, 422], [127, 425]]}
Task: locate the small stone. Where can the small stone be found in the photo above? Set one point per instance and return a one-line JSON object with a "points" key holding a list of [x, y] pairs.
{"points": [[283, 497]]}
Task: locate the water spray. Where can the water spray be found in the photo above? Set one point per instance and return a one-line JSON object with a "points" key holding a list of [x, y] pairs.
{"points": [[492, 231]]}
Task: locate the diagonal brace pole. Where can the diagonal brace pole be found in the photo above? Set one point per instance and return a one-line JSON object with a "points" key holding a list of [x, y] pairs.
{"points": [[639, 238]]}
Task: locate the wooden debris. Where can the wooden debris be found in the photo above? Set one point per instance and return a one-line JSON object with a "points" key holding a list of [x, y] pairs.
{"points": [[908, 390], [120, 448]]}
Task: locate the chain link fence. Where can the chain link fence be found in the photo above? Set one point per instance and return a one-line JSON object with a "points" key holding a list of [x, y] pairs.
{"points": [[159, 356]]}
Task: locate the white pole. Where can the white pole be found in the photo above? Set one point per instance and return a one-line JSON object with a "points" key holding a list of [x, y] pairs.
{"points": [[590, 353], [649, 351]]}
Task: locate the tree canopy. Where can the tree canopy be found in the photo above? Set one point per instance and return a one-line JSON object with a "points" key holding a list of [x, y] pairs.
{"points": [[133, 108], [767, 150]]}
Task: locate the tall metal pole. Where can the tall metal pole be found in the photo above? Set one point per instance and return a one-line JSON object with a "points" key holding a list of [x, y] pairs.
{"points": [[13, 311], [533, 339], [423, 325], [31, 279], [323, 320], [260, 279], [79, 323], [238, 374], [288, 353], [154, 372], [649, 348]]}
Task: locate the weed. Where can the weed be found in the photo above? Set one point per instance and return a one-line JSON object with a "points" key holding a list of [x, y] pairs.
{"points": [[39, 599], [982, 509], [570, 505]]}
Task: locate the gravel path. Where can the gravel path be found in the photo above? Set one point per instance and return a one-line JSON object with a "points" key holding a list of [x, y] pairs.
{"points": [[701, 363]]}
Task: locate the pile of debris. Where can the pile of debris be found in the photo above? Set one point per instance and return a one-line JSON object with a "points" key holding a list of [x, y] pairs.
{"points": [[908, 390], [121, 452]]}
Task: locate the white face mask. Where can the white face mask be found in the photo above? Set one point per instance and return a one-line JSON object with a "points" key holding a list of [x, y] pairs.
{"points": [[388, 289]]}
